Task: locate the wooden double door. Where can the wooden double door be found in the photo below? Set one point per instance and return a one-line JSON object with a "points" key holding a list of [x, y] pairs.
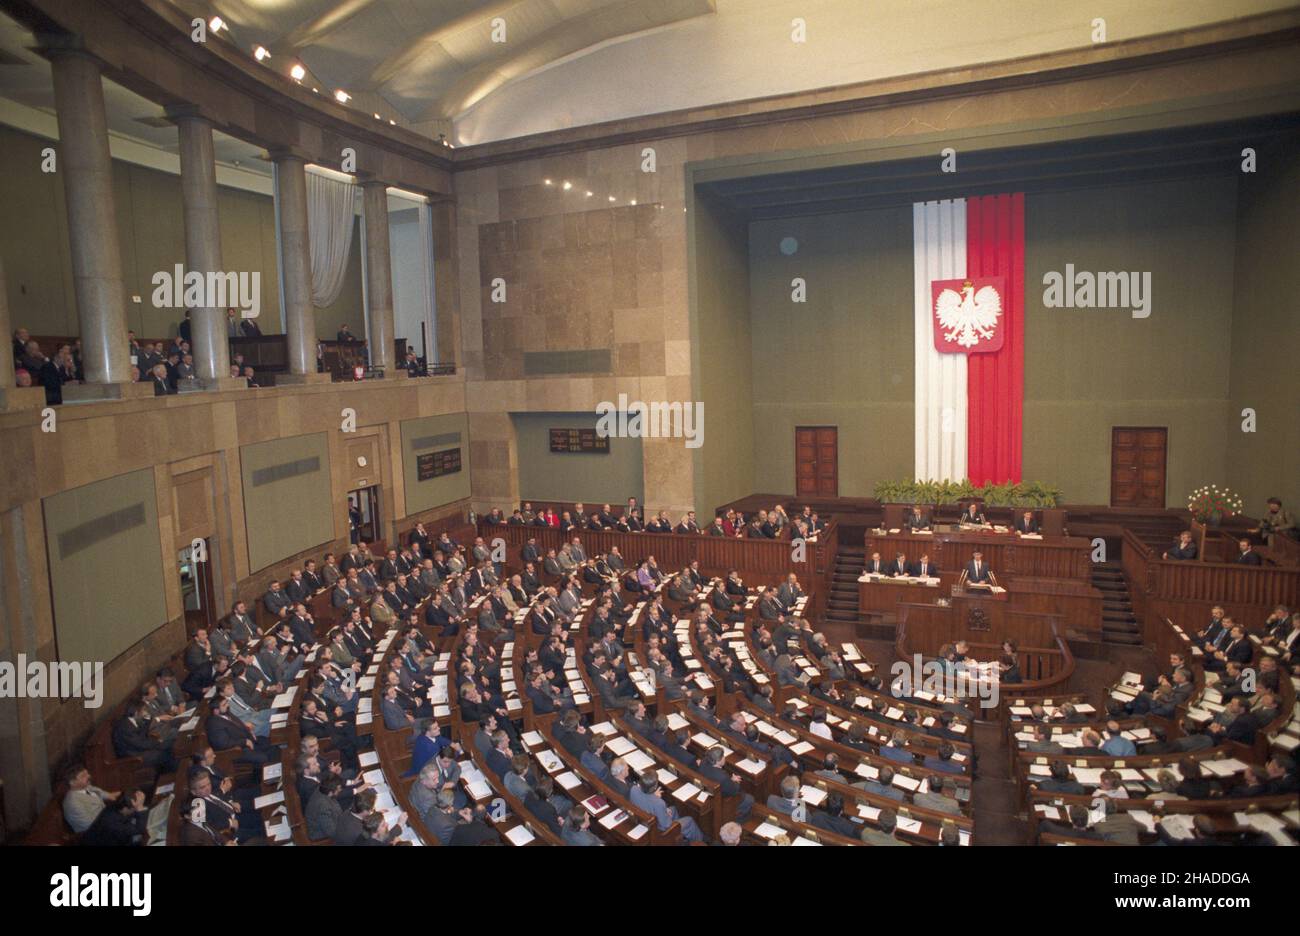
{"points": [[816, 461], [1137, 466]]}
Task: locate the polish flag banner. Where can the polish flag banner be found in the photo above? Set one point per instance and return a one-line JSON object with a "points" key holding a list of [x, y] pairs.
{"points": [[969, 314], [969, 327]]}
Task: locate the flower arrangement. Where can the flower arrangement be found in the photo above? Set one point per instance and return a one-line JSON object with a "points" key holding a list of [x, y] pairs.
{"points": [[1211, 503]]}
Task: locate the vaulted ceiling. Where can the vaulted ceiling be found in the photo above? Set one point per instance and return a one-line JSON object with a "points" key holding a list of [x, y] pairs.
{"points": [[432, 60]]}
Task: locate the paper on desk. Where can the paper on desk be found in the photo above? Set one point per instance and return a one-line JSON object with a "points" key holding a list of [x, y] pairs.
{"points": [[519, 835], [268, 799]]}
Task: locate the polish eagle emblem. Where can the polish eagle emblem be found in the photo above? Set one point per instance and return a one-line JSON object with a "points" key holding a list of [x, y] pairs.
{"points": [[967, 315]]}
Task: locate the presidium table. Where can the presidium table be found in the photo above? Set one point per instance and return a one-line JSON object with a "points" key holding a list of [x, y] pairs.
{"points": [[1039, 575]]}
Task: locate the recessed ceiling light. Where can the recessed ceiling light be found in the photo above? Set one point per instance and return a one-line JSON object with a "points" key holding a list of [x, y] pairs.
{"points": [[377, 117], [612, 198], [342, 96], [546, 181], [297, 73], [568, 185], [393, 122], [260, 53], [588, 194], [632, 202], [216, 24]]}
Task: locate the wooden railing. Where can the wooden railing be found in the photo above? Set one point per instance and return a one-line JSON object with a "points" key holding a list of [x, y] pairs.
{"points": [[768, 560]]}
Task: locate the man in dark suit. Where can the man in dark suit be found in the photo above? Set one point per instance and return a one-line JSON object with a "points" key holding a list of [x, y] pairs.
{"points": [[1237, 649], [1078, 827], [977, 570], [276, 602], [1026, 523], [973, 515], [1247, 555], [899, 566], [1243, 726], [498, 759], [1185, 549], [924, 568], [226, 732], [131, 738], [916, 521], [831, 817], [876, 566], [728, 783]]}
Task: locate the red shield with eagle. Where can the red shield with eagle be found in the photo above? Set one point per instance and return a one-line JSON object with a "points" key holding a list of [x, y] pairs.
{"points": [[968, 314]]}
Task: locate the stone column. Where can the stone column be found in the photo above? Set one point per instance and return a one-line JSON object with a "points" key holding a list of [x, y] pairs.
{"points": [[379, 277], [211, 343], [86, 167], [13, 397], [295, 261]]}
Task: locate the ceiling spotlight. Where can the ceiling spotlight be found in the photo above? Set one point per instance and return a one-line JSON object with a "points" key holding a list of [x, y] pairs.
{"points": [[216, 24], [567, 185], [393, 122], [260, 53], [377, 117], [342, 96], [588, 194], [546, 181], [612, 198], [632, 202], [298, 73]]}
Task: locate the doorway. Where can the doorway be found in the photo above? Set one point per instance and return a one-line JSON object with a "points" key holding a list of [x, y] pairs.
{"points": [[1137, 466], [197, 598], [363, 514], [816, 461]]}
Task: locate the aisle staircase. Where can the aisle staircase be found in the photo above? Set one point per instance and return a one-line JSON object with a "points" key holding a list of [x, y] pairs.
{"points": [[842, 600], [1118, 623]]}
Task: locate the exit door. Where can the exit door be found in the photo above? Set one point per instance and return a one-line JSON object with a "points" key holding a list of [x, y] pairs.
{"points": [[816, 461], [1137, 466]]}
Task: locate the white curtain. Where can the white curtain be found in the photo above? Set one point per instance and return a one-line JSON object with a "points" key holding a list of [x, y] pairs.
{"points": [[939, 252], [330, 213]]}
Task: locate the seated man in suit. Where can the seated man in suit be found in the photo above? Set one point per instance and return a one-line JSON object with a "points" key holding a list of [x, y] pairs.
{"points": [[899, 567], [1078, 827], [1237, 648], [915, 520], [1185, 549], [648, 795], [1026, 523], [973, 515], [876, 566], [788, 799], [924, 568], [831, 817], [132, 738], [1246, 554], [728, 783], [577, 828], [226, 732], [883, 785], [977, 570], [276, 601], [887, 833], [1241, 724]]}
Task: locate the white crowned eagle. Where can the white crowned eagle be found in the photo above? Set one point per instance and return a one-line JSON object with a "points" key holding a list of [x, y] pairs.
{"points": [[968, 317]]}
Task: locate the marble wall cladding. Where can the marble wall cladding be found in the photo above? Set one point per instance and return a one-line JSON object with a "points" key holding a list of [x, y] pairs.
{"points": [[579, 271]]}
